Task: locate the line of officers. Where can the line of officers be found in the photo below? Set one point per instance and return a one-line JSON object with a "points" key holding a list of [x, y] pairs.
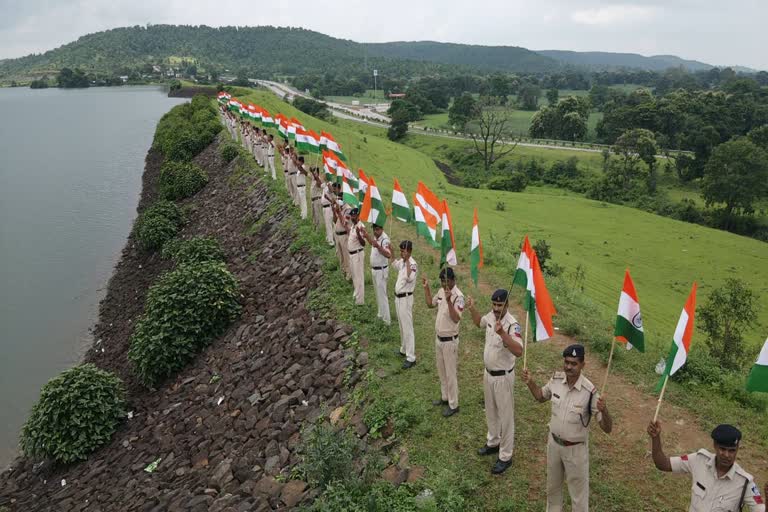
{"points": [[718, 482]]}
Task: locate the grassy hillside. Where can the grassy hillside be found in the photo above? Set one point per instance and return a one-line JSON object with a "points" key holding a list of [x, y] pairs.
{"points": [[665, 255]]}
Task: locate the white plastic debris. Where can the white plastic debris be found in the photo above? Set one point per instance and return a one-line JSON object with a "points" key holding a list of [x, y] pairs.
{"points": [[221, 399], [63, 482], [304, 403], [130, 415], [661, 366]]}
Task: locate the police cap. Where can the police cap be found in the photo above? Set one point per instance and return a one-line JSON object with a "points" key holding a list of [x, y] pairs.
{"points": [[500, 295], [574, 350], [727, 436], [447, 273], [354, 211]]}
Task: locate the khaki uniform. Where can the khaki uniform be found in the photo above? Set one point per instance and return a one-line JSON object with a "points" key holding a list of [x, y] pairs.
{"points": [[315, 194], [258, 149], [340, 232], [292, 174], [570, 413], [271, 158], [356, 262], [325, 204], [710, 493], [499, 384], [380, 275], [286, 171], [404, 287], [447, 344], [301, 192]]}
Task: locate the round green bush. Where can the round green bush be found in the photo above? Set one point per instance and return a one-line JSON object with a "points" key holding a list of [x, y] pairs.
{"points": [[158, 224], [194, 250], [77, 412], [228, 152], [179, 180], [185, 310]]}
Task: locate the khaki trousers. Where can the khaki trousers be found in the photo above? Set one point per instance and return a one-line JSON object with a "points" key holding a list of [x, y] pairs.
{"points": [[317, 212], [342, 253], [292, 188], [301, 193], [357, 269], [447, 358], [404, 311], [271, 163], [380, 287], [569, 463], [328, 218], [500, 412]]}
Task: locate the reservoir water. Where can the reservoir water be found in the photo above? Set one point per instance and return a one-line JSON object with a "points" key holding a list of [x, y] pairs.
{"points": [[71, 163]]}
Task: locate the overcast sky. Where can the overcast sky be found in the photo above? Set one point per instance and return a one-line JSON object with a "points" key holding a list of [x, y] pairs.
{"points": [[713, 31]]}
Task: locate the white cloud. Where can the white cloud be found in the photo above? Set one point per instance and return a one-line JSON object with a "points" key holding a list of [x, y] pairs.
{"points": [[615, 15]]}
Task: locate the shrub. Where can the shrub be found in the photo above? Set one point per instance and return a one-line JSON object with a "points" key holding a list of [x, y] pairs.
{"points": [[187, 129], [179, 180], [194, 250], [185, 310], [158, 224], [77, 412], [229, 151], [327, 454], [513, 182]]}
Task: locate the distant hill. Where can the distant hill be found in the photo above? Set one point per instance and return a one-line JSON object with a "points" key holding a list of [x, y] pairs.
{"points": [[496, 58], [602, 61]]}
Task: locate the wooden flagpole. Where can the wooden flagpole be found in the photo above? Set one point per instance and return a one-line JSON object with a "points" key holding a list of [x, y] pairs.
{"points": [[525, 343], [608, 369], [661, 397]]}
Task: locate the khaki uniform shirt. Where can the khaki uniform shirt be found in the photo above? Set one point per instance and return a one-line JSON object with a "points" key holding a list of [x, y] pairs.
{"points": [[712, 494], [571, 407], [270, 148], [314, 189], [444, 326], [496, 355], [326, 192], [378, 259], [353, 241], [341, 222], [405, 284]]}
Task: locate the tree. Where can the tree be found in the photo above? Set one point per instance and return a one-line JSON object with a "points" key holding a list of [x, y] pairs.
{"points": [[567, 120], [635, 146], [729, 310], [759, 136], [398, 126], [528, 96], [736, 175], [491, 127], [410, 111], [69, 79], [463, 109], [553, 95]]}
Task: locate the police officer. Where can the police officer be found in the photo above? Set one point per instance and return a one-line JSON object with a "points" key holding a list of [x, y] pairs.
{"points": [[271, 155], [301, 185], [356, 250], [315, 195], [340, 211], [449, 302], [718, 482], [503, 345], [381, 253], [406, 282], [574, 401], [327, 198]]}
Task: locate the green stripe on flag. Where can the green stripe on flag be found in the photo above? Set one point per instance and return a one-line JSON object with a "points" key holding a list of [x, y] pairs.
{"points": [[625, 328], [758, 379]]}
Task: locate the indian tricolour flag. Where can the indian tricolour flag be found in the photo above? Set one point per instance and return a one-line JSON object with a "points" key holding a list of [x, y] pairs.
{"points": [[758, 377], [373, 207], [282, 126], [447, 243], [362, 184], [537, 301], [347, 194], [324, 140], [332, 145], [476, 250], [313, 142], [426, 224], [681, 340], [400, 208], [629, 322], [430, 205], [302, 139], [266, 119]]}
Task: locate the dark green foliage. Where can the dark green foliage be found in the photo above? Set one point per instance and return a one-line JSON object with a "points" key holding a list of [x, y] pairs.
{"points": [[179, 180], [185, 310], [229, 151], [194, 250], [543, 253], [77, 412], [462, 110], [398, 126], [327, 454], [312, 107], [69, 79], [566, 120], [512, 182], [187, 129], [39, 84], [736, 176], [405, 109], [158, 224]]}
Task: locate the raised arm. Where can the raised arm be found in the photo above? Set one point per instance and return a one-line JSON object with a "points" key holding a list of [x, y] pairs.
{"points": [[660, 459], [474, 313], [534, 388], [427, 293]]}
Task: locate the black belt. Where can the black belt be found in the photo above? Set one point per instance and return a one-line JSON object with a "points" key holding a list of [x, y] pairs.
{"points": [[402, 295], [562, 442], [499, 373], [291, 173], [315, 198], [448, 338], [300, 185], [355, 252], [341, 233], [379, 268], [326, 206]]}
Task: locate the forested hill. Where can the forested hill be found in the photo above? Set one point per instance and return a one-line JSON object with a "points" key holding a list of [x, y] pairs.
{"points": [[497, 58], [606, 61]]}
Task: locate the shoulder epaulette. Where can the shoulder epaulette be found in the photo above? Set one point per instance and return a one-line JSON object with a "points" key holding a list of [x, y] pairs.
{"points": [[558, 375], [740, 470], [705, 453], [588, 385]]}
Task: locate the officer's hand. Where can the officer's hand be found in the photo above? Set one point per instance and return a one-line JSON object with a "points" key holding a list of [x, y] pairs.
{"points": [[424, 282], [601, 404], [500, 329], [470, 302], [526, 376], [654, 429]]}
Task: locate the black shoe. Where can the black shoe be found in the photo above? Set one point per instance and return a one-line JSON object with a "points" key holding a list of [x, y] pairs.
{"points": [[409, 364], [488, 450], [448, 412], [439, 402], [398, 353], [500, 466]]}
